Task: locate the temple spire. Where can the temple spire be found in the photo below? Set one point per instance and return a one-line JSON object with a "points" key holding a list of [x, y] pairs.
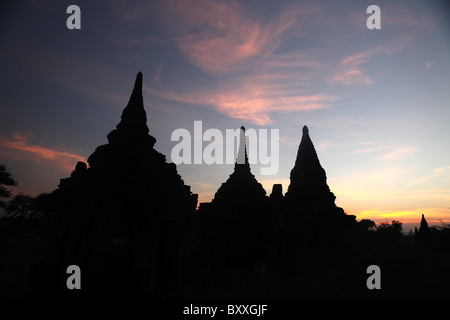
{"points": [[424, 225], [308, 178], [242, 159], [133, 124], [241, 185], [306, 151], [136, 96]]}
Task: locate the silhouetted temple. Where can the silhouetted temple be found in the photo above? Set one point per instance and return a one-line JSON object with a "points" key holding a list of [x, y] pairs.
{"points": [[424, 232], [130, 223], [275, 229], [310, 215], [124, 220], [308, 199], [308, 191], [234, 223]]}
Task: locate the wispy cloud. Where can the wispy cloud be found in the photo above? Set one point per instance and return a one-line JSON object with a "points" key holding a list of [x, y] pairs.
{"points": [[321, 146], [396, 152], [19, 147], [366, 150], [253, 72], [399, 153], [220, 37], [251, 102], [204, 185], [442, 173], [404, 25], [238, 49], [349, 70]]}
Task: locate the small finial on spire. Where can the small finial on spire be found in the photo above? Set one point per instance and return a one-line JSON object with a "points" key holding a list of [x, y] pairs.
{"points": [[305, 129]]}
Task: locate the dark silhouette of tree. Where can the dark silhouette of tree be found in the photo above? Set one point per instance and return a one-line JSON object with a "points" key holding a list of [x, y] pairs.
{"points": [[21, 205], [366, 225], [42, 204], [6, 179], [390, 231], [28, 207], [397, 226]]}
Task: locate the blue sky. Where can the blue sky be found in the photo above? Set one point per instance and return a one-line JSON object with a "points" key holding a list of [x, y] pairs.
{"points": [[376, 101]]}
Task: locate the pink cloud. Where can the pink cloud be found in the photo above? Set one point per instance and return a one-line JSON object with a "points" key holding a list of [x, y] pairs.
{"points": [[349, 70], [252, 101], [219, 37], [405, 26], [399, 153], [395, 153], [351, 77], [223, 38], [19, 148], [366, 150]]}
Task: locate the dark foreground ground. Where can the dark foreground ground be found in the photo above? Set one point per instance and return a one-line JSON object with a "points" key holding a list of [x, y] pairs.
{"points": [[409, 270]]}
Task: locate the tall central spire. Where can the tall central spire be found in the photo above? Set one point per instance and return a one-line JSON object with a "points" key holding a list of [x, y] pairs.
{"points": [[242, 159], [133, 124], [241, 185]]}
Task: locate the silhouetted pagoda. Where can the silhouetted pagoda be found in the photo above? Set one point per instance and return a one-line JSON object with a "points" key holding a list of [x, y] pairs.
{"points": [[424, 232], [308, 190], [124, 220], [130, 223], [241, 189], [234, 223], [310, 215]]}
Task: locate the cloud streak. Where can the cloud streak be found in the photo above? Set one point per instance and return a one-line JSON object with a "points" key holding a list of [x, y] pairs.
{"points": [[220, 37], [19, 147], [250, 102], [256, 69]]}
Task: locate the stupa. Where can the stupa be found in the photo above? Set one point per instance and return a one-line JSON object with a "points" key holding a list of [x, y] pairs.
{"points": [[241, 188], [310, 214], [308, 189], [234, 223], [124, 219]]}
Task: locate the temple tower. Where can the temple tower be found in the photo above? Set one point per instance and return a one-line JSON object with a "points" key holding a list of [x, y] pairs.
{"points": [[308, 189], [234, 224], [241, 188], [124, 220], [311, 218]]}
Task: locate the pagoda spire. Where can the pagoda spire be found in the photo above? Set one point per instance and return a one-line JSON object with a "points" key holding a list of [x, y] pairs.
{"points": [[424, 225], [133, 123], [306, 154], [242, 159], [308, 178], [241, 185]]}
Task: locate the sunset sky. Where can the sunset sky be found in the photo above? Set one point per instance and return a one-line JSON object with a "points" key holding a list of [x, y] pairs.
{"points": [[377, 102]]}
